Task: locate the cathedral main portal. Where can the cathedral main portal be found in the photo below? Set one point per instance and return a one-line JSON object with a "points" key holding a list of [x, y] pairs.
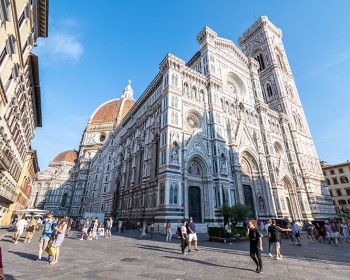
{"points": [[194, 203]]}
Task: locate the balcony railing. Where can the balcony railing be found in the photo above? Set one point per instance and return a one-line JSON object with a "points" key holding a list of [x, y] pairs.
{"points": [[4, 162], [7, 192]]}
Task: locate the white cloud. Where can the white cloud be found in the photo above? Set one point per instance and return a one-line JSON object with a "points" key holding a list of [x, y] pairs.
{"points": [[62, 46]]}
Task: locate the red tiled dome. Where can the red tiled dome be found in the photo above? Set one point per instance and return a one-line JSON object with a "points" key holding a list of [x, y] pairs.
{"points": [[109, 111], [68, 156]]}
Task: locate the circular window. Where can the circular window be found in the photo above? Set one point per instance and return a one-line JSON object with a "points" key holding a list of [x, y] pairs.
{"points": [[102, 137], [193, 120]]}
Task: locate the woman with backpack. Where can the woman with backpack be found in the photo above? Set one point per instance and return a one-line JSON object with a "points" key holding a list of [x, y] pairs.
{"points": [[255, 238]]}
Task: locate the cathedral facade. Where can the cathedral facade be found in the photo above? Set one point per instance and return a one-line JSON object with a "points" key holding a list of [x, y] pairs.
{"points": [[225, 127]]}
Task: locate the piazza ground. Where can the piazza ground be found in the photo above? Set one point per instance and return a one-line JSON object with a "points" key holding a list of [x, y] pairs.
{"points": [[124, 256]]}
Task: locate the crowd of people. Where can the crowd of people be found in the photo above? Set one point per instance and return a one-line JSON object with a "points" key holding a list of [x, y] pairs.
{"points": [[54, 230]]}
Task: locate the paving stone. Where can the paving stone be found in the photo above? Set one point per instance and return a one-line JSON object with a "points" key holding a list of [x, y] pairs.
{"points": [[124, 256]]}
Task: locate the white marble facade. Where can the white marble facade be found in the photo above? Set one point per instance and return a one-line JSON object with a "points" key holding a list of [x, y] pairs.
{"points": [[226, 127]]}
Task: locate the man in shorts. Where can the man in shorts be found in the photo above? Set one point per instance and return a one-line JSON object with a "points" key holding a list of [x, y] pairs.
{"points": [[47, 234], [20, 225], [192, 235], [274, 236]]}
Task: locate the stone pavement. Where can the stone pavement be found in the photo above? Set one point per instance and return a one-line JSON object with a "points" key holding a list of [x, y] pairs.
{"points": [[125, 256]]}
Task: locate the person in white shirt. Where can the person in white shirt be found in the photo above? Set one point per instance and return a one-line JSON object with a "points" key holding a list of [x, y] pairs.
{"points": [[20, 225]]}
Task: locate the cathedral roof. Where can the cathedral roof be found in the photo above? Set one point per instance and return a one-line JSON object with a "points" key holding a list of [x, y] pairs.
{"points": [[68, 156], [113, 109]]}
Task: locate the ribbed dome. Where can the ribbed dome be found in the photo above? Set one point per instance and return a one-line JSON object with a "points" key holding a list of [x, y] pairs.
{"points": [[108, 112], [68, 156], [111, 110]]}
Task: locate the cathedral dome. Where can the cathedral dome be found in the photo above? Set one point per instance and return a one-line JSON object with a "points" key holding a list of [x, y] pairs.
{"points": [[107, 112], [115, 109], [68, 156]]}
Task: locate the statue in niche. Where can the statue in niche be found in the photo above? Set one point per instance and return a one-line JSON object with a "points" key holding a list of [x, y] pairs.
{"points": [[223, 166], [193, 169], [174, 154], [261, 204]]}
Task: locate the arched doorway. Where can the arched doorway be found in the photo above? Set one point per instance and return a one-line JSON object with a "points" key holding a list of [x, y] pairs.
{"points": [[196, 171], [287, 188], [251, 184]]}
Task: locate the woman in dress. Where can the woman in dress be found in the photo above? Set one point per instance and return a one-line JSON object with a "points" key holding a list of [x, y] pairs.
{"points": [[57, 243]]}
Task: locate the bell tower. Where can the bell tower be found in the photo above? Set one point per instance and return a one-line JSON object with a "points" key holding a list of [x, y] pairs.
{"points": [[263, 42]]}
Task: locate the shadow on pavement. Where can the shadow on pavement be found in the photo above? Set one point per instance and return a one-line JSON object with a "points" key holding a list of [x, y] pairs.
{"points": [[208, 263], [157, 248], [10, 277], [25, 255]]}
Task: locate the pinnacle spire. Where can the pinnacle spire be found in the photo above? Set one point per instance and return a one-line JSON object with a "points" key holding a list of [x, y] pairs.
{"points": [[128, 92]]}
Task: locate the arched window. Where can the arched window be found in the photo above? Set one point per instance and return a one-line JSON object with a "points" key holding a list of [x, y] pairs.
{"points": [[201, 94], [186, 88], [269, 91], [279, 58], [259, 58], [194, 93], [173, 195], [300, 123], [64, 200]]}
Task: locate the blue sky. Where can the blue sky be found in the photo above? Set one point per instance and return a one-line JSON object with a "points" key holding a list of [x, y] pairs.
{"points": [[95, 47]]}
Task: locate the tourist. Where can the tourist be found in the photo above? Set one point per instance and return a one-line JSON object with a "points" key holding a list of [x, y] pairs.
{"points": [[90, 228], [329, 232], [178, 228], [57, 243], [108, 227], [101, 231], [275, 238], [46, 235], [184, 236], [82, 222], [120, 225], [20, 225], [309, 228], [255, 244], [168, 231], [337, 237], [30, 231], [69, 224], [296, 234], [345, 230], [152, 229], [144, 229], [2, 275], [228, 232], [84, 231], [192, 235], [39, 223], [95, 225], [266, 227]]}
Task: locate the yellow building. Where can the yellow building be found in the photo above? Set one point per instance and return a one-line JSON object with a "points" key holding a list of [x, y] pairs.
{"points": [[21, 23], [338, 179], [24, 185]]}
